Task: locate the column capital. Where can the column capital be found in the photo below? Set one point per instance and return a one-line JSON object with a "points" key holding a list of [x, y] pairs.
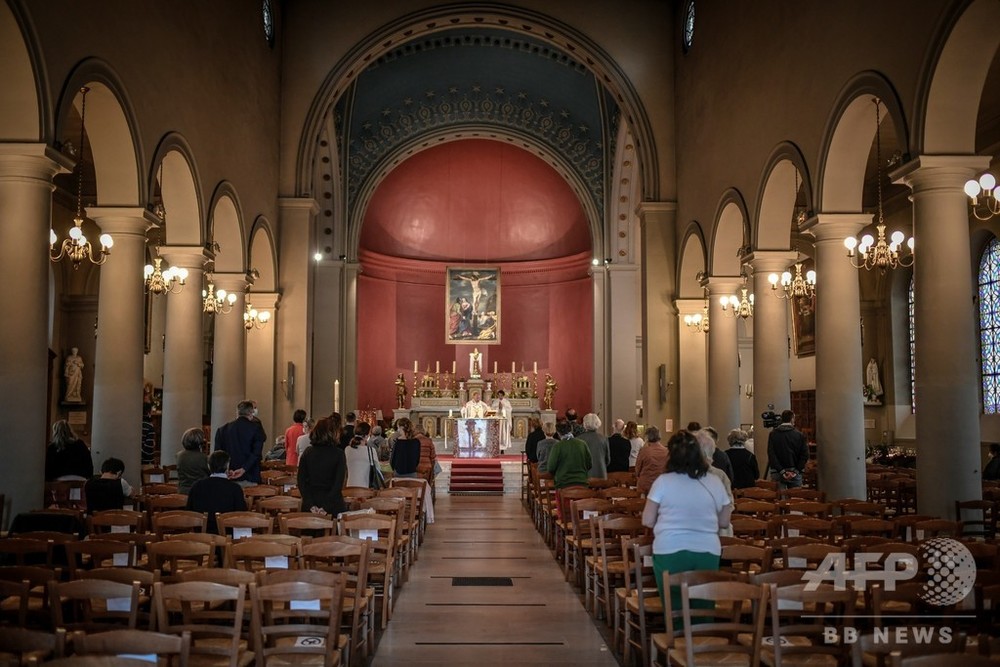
{"points": [[722, 284], [265, 300], [187, 256], [307, 204], [836, 226], [763, 261], [689, 306], [928, 172], [234, 282], [123, 220], [32, 160], [656, 211]]}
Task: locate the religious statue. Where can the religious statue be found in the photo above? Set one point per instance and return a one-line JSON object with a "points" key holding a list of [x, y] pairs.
{"points": [[550, 391], [400, 391], [73, 372], [873, 388], [475, 363]]}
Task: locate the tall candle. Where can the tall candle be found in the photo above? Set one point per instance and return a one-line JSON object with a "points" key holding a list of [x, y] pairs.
{"points": [[534, 367], [437, 366], [494, 368], [512, 367], [453, 366], [336, 395], [414, 365]]}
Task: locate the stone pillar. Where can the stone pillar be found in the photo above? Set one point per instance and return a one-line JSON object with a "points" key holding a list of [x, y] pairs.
{"points": [[659, 320], [692, 373], [183, 353], [349, 355], [261, 384], [947, 369], [26, 172], [229, 370], [840, 433], [120, 339], [723, 359], [623, 292], [770, 345], [293, 323], [599, 393], [326, 352]]}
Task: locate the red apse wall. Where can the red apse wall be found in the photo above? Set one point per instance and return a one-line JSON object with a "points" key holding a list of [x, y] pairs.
{"points": [[475, 202]]}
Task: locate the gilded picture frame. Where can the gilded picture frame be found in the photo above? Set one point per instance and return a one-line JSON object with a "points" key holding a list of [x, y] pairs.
{"points": [[472, 305], [804, 326]]}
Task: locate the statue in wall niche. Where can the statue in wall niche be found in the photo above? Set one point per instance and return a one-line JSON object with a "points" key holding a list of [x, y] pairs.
{"points": [[73, 372], [873, 387]]}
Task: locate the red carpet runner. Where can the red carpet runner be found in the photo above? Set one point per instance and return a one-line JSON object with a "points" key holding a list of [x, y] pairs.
{"points": [[479, 476]]}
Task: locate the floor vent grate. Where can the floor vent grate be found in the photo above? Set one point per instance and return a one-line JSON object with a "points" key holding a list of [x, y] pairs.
{"points": [[482, 581]]}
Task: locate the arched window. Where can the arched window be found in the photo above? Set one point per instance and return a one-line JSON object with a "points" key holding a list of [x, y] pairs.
{"points": [[913, 347], [989, 325]]}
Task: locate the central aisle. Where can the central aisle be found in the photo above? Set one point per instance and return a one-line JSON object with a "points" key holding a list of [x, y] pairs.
{"points": [[538, 620]]}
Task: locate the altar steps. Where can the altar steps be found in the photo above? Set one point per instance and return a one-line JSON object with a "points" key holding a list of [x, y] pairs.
{"points": [[476, 476]]}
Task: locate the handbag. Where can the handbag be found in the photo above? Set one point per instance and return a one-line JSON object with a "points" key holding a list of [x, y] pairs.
{"points": [[375, 478]]}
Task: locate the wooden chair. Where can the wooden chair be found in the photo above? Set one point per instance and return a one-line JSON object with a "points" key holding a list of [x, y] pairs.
{"points": [[798, 624], [609, 563], [411, 527], [211, 613], [925, 530], [803, 494], [579, 540], [158, 646], [254, 555], [38, 578], [306, 524], [227, 576], [88, 554], [871, 510], [23, 646], [284, 481], [756, 509], [138, 541], [619, 491], [275, 506], [347, 557], [94, 604], [159, 489], [623, 478], [978, 518], [380, 531], [221, 545], [810, 508], [239, 525], [169, 557], [754, 529], [662, 643], [396, 508], [128, 575], [808, 556], [423, 498], [153, 475], [792, 525], [284, 612], [26, 551], [757, 493], [746, 559], [14, 597], [866, 527], [905, 600], [357, 493], [631, 506], [643, 608], [116, 521], [164, 503], [253, 494], [179, 521], [726, 624], [67, 494], [563, 520], [768, 484]]}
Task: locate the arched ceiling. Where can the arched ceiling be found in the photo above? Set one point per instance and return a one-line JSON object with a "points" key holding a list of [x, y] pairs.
{"points": [[477, 78], [475, 200]]}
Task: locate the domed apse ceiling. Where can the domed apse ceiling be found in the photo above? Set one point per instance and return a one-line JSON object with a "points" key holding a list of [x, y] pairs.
{"points": [[467, 79], [475, 200]]}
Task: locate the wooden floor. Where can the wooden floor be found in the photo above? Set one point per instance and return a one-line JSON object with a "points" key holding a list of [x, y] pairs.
{"points": [[538, 621]]}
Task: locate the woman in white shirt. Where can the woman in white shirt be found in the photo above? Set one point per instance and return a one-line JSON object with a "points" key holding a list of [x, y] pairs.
{"points": [[685, 508], [359, 456]]}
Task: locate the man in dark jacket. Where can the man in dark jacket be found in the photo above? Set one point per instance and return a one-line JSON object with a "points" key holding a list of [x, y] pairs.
{"points": [[243, 439], [216, 494], [787, 452], [620, 449]]}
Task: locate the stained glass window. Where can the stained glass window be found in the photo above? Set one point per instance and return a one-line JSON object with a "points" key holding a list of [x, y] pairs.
{"points": [[913, 348], [989, 325]]}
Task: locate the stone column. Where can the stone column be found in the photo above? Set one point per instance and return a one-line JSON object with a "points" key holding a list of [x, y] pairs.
{"points": [[623, 292], [294, 321], [260, 372], [349, 355], [840, 433], [26, 172], [692, 373], [600, 395], [183, 352], [659, 320], [229, 371], [120, 339], [947, 369], [723, 359], [770, 345]]}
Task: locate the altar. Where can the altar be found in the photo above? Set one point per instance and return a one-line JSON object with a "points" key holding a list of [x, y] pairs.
{"points": [[476, 438]]}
